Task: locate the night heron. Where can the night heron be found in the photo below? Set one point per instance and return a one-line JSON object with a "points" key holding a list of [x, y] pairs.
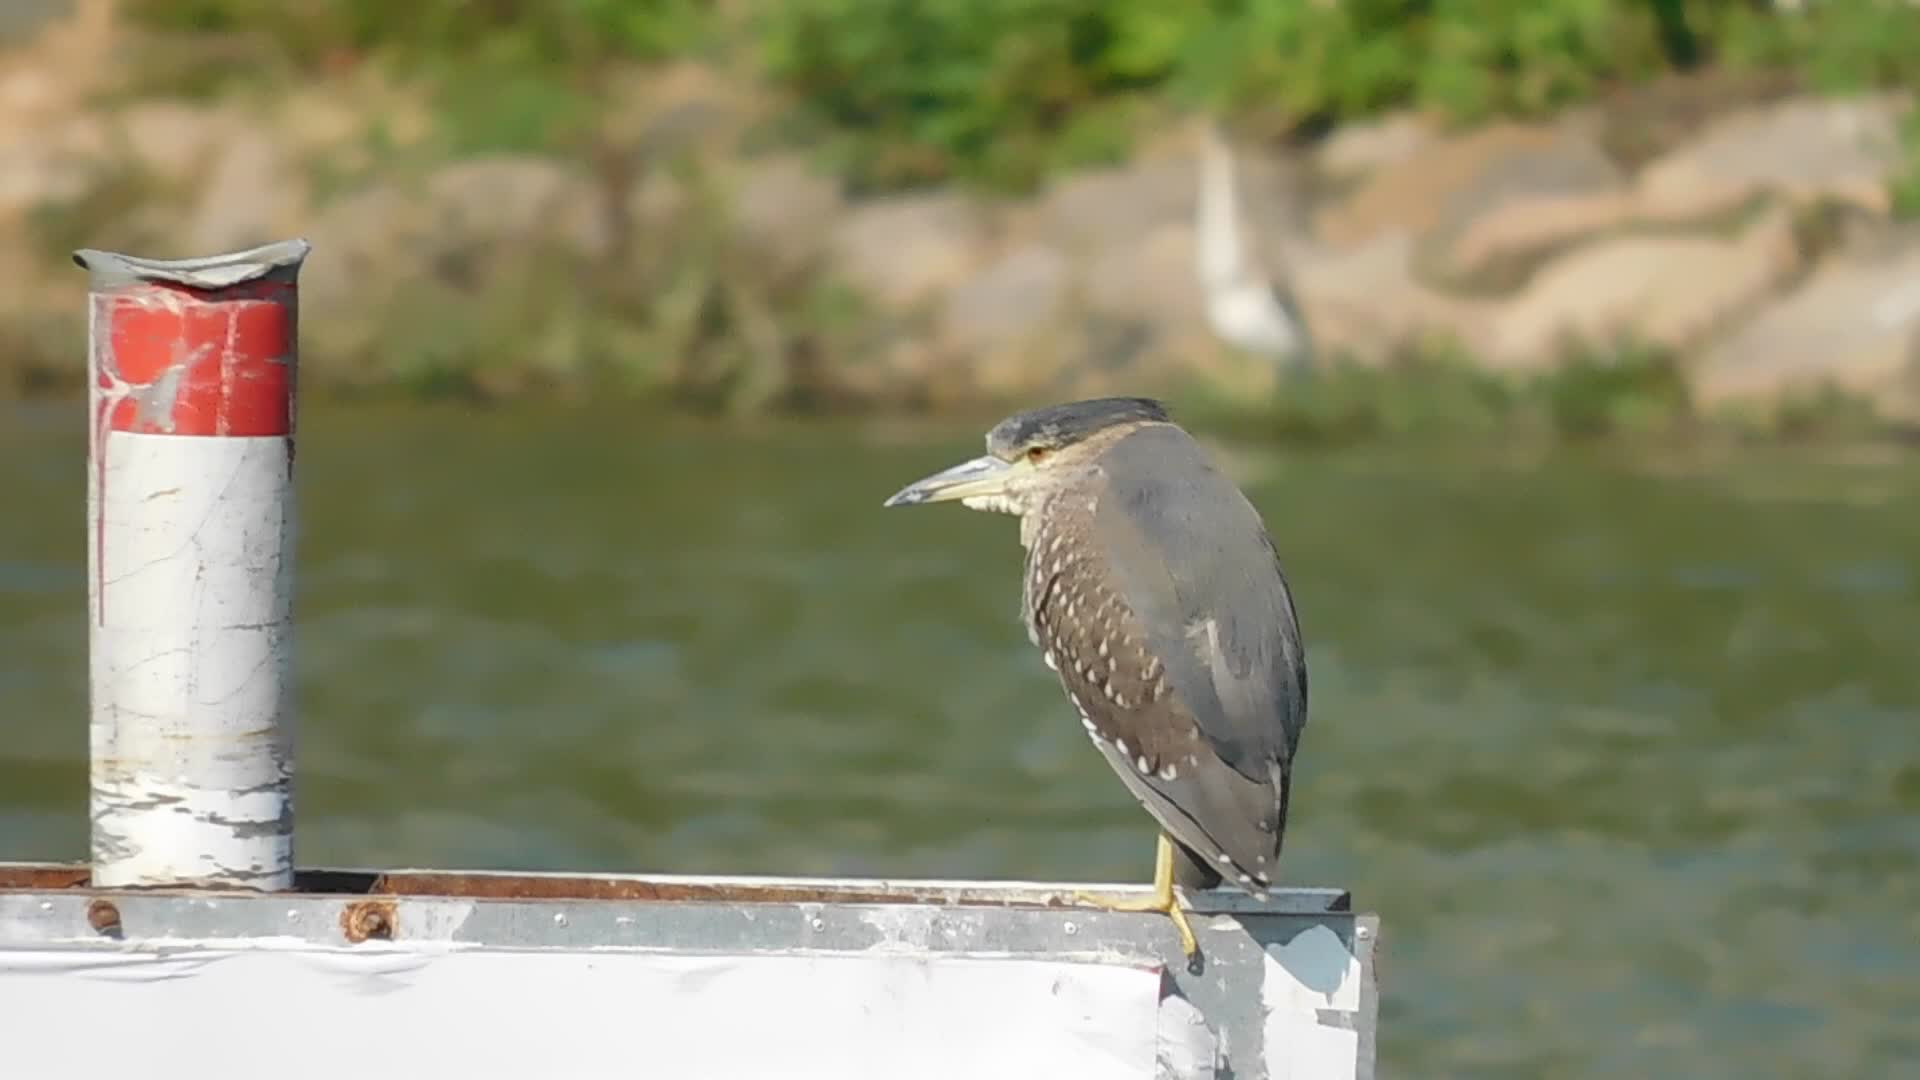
{"points": [[1153, 589]]}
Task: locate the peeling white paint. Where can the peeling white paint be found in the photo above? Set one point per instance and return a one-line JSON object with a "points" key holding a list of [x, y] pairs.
{"points": [[1310, 975], [190, 708], [440, 922], [904, 928], [1188, 1049]]}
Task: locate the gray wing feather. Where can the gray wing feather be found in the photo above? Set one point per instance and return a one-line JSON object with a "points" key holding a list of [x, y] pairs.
{"points": [[1196, 567]]}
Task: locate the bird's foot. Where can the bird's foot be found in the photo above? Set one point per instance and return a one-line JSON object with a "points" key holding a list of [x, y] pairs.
{"points": [[1166, 905]]}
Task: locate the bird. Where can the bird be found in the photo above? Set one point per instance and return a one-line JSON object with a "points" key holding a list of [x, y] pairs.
{"points": [[1153, 588], [1249, 304]]}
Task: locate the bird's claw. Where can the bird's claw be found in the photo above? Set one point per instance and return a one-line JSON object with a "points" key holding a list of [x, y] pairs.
{"points": [[1168, 906]]}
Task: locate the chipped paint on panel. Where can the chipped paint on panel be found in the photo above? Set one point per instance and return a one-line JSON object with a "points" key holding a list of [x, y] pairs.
{"points": [[1188, 1048], [441, 912], [1311, 993], [905, 929], [432, 922]]}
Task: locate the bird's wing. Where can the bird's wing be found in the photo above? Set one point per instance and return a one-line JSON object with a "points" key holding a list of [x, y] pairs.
{"points": [[1198, 568], [1197, 571]]}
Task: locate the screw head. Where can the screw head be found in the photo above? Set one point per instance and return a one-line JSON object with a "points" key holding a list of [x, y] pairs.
{"points": [[103, 916]]}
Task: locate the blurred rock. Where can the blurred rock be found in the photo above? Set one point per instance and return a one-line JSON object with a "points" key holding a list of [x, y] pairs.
{"points": [[661, 111], [1445, 185], [656, 200], [1854, 325], [174, 142], [56, 55], [21, 271], [1844, 150], [51, 148], [1528, 225], [1365, 304], [56, 164], [376, 235], [901, 249], [370, 109], [1110, 206], [1537, 196], [1152, 279], [785, 208], [463, 220], [22, 20], [1007, 302], [1641, 121], [1663, 291], [506, 196], [1363, 148], [250, 196]]}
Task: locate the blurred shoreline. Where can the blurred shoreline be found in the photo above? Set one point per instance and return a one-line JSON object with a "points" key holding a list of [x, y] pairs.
{"points": [[1723, 249]]}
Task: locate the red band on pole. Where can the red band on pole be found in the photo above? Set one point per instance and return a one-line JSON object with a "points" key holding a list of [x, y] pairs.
{"points": [[205, 362]]}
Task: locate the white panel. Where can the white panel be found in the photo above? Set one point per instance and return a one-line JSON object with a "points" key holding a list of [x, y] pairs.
{"points": [[1309, 975], [367, 1013]]}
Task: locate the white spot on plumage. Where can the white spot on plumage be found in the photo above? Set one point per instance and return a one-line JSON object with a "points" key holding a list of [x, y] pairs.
{"points": [[1121, 745], [1168, 772], [1103, 648], [1051, 664], [1142, 764]]}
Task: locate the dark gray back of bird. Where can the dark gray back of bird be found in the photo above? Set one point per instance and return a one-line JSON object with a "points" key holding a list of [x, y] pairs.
{"points": [[1200, 705]]}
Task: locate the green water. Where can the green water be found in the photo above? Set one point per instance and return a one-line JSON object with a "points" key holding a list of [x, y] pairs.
{"points": [[1624, 753]]}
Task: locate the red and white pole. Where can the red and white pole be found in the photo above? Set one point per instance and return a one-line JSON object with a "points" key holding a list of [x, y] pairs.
{"points": [[190, 527]]}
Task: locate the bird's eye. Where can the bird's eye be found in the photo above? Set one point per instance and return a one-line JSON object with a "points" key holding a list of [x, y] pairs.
{"points": [[1037, 454]]}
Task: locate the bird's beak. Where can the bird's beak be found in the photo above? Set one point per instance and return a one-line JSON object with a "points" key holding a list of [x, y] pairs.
{"points": [[985, 475]]}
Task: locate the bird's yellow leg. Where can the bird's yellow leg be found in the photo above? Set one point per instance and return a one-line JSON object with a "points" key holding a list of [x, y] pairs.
{"points": [[1162, 899]]}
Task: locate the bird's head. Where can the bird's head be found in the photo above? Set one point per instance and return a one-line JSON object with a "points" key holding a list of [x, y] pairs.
{"points": [[1032, 454]]}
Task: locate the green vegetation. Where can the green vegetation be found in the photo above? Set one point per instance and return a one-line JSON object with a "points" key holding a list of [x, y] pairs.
{"points": [[1633, 394], [1000, 92], [1906, 187]]}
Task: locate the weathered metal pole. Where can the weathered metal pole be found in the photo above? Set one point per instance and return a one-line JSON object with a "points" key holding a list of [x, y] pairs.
{"points": [[190, 522]]}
